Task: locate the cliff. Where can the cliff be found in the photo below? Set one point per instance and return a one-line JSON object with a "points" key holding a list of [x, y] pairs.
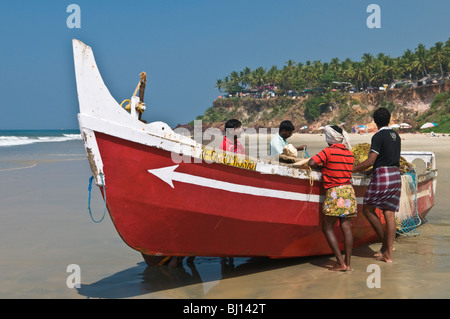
{"points": [[406, 105]]}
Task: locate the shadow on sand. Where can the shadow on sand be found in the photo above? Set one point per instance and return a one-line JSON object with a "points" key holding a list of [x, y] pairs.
{"points": [[142, 279], [208, 271]]}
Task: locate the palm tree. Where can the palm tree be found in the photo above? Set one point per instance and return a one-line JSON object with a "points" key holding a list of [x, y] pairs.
{"points": [[287, 76], [391, 69], [421, 62], [219, 85], [245, 76], [317, 70], [258, 77], [368, 67], [235, 80], [272, 75], [437, 53], [358, 75], [334, 65], [407, 63], [307, 71], [347, 71]]}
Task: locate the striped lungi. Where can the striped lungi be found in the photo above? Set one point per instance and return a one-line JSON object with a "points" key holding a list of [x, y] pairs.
{"points": [[384, 189]]}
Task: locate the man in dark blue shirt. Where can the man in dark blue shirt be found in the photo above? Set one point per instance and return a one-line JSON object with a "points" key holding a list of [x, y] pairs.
{"points": [[385, 185]]}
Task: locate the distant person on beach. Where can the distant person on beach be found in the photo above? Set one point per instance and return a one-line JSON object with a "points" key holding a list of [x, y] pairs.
{"points": [[340, 203], [278, 142], [385, 186], [230, 143]]}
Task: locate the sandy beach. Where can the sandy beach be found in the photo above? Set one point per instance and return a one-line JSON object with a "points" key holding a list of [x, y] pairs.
{"points": [[45, 227]]}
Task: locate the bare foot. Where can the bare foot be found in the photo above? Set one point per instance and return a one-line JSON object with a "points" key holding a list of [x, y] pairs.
{"points": [[339, 267], [385, 258], [381, 252]]}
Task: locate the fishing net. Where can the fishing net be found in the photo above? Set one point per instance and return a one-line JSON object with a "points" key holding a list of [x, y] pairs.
{"points": [[407, 218]]}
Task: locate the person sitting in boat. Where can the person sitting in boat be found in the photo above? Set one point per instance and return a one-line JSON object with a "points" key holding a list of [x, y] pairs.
{"points": [[278, 142], [340, 200], [230, 143]]}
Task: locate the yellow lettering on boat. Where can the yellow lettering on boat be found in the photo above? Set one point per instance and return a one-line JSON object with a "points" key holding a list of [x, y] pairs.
{"points": [[210, 156]]}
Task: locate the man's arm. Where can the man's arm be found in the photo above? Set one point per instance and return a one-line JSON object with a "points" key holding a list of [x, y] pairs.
{"points": [[312, 163], [365, 164]]}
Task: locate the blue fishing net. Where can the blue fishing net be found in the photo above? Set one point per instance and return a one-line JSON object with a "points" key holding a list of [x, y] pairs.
{"points": [[408, 218]]}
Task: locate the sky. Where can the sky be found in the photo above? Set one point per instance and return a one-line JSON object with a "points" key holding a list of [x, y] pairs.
{"points": [[184, 46]]}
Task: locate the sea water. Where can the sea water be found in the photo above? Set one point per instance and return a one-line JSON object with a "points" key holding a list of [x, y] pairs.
{"points": [[20, 149]]}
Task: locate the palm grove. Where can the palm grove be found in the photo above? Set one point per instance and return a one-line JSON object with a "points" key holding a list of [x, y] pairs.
{"points": [[370, 71]]}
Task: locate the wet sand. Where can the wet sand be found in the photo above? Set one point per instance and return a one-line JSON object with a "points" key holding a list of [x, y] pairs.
{"points": [[45, 227]]}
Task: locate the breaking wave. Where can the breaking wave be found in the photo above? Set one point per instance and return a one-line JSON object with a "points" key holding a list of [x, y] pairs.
{"points": [[15, 140]]}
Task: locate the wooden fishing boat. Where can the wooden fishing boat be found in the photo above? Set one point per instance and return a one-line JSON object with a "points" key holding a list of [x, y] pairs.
{"points": [[169, 195]]}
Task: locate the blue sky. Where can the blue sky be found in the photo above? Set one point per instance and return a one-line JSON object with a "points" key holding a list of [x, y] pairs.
{"points": [[184, 47]]}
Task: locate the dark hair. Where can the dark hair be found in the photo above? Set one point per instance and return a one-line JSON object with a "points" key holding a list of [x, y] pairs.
{"points": [[233, 123], [381, 117], [336, 128], [286, 125]]}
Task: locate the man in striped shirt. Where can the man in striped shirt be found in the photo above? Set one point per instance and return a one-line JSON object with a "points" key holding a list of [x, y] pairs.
{"points": [[340, 200]]}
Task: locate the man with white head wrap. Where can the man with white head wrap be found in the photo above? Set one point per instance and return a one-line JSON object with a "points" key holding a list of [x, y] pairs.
{"points": [[337, 161]]}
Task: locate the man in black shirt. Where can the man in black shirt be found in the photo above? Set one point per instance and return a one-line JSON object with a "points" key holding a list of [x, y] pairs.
{"points": [[385, 185]]}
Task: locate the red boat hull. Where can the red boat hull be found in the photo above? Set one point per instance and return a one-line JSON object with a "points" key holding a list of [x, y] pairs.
{"points": [[194, 220]]}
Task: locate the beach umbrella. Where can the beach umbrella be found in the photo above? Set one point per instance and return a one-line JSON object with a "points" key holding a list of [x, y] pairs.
{"points": [[405, 125], [303, 127], [321, 128], [395, 126], [427, 125]]}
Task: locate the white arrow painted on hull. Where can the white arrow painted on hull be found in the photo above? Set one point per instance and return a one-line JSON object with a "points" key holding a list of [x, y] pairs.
{"points": [[168, 175]]}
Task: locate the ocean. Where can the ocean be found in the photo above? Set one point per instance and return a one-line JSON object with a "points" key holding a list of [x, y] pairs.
{"points": [[24, 148], [24, 137]]}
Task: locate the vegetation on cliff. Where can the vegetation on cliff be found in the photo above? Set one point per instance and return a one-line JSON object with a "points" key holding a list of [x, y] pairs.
{"points": [[411, 105], [439, 112]]}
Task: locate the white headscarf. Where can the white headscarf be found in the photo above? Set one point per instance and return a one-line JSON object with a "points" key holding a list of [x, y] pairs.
{"points": [[334, 137]]}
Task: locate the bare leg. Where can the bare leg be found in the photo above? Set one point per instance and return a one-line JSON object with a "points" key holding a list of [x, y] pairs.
{"points": [[327, 228], [375, 222], [389, 237], [346, 227]]}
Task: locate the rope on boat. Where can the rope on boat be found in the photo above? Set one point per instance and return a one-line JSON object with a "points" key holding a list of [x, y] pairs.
{"points": [[89, 201], [305, 154], [140, 107], [311, 179]]}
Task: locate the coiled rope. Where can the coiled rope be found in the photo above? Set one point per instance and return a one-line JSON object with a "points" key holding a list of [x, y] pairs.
{"points": [[305, 155], [89, 202]]}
